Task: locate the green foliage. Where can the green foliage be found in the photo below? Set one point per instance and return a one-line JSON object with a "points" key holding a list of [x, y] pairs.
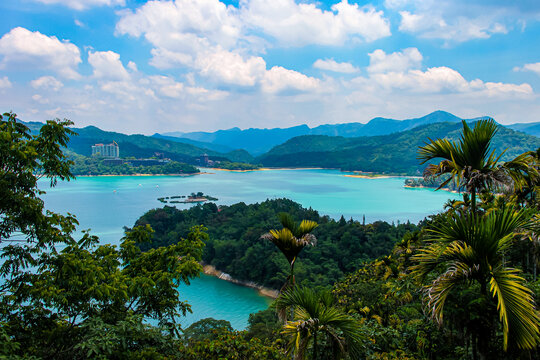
{"points": [[235, 245], [208, 328], [264, 324], [318, 326], [83, 165], [468, 249], [64, 298], [232, 346], [236, 166]]}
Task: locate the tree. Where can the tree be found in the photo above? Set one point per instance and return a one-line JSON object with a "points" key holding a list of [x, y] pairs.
{"points": [[208, 328], [291, 240], [56, 290], [318, 322], [468, 250], [470, 162]]}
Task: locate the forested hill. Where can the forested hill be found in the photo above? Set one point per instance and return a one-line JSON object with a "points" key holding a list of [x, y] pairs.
{"points": [[236, 248], [142, 146], [394, 153]]}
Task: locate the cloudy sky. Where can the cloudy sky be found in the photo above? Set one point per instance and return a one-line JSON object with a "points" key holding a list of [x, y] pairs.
{"points": [[143, 67]]}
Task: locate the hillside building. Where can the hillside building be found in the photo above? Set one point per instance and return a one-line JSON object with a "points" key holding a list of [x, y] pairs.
{"points": [[106, 150]]}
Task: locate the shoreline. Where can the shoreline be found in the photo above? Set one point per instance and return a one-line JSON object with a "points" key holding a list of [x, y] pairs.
{"points": [[429, 187], [183, 175], [263, 291], [268, 169]]}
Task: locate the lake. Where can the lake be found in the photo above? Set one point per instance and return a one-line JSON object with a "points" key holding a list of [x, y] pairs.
{"points": [[106, 204]]}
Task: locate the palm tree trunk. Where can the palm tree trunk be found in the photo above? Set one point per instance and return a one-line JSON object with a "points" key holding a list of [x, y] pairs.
{"points": [[534, 264], [315, 346], [473, 200]]}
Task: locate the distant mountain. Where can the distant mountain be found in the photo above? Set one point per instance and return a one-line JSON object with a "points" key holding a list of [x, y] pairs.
{"points": [[393, 153], [141, 146], [255, 141], [530, 128], [199, 144], [259, 141]]}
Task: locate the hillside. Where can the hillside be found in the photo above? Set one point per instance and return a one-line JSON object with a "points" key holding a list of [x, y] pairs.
{"points": [[394, 153], [530, 128], [141, 146], [255, 141], [259, 141], [199, 144]]}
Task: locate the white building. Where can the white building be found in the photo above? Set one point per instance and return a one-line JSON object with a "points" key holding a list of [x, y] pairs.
{"points": [[106, 150]]}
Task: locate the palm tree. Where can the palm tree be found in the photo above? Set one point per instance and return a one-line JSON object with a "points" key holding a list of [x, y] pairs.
{"points": [[316, 320], [291, 240], [465, 249], [471, 162]]}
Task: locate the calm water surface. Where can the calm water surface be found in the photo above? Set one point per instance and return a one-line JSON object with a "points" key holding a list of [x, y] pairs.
{"points": [[105, 204]]}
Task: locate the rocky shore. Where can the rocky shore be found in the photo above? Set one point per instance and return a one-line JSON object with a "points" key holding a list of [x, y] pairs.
{"points": [[211, 270]]}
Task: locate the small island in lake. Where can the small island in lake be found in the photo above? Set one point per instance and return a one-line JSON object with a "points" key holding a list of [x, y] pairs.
{"points": [[192, 198], [431, 183]]}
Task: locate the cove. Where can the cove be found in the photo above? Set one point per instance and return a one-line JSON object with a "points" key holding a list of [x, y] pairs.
{"points": [[106, 204]]}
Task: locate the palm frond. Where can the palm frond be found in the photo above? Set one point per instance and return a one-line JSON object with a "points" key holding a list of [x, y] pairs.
{"points": [[516, 309], [443, 285], [287, 222], [306, 226], [440, 148]]}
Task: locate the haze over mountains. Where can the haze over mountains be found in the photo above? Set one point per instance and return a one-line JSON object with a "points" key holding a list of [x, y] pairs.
{"points": [[259, 141]]}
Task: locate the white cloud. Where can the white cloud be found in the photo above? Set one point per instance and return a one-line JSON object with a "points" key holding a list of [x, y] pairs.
{"points": [[231, 68], [402, 71], [332, 65], [126, 90], [21, 48], [534, 67], [40, 99], [47, 82], [79, 23], [183, 26], [107, 65], [460, 29], [132, 66], [502, 89], [447, 20], [5, 83], [167, 86], [279, 79], [302, 24], [83, 4], [409, 58]]}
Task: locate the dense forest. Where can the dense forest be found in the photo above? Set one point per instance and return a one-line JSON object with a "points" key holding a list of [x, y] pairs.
{"points": [[83, 165], [235, 245], [227, 165]]}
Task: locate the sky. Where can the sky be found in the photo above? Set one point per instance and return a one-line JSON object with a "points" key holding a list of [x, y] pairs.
{"points": [[201, 65]]}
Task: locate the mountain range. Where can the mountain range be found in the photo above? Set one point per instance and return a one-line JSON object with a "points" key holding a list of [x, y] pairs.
{"points": [[382, 145], [259, 141], [393, 153]]}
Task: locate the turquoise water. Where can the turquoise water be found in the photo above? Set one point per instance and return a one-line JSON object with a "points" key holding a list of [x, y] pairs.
{"points": [[106, 204]]}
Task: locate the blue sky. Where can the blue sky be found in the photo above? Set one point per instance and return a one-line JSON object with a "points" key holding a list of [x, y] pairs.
{"points": [[187, 65]]}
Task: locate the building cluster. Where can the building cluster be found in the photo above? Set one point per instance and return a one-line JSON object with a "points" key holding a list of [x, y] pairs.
{"points": [[203, 160]]}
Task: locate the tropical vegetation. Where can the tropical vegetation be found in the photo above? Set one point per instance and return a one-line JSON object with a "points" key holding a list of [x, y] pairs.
{"points": [[462, 284]]}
